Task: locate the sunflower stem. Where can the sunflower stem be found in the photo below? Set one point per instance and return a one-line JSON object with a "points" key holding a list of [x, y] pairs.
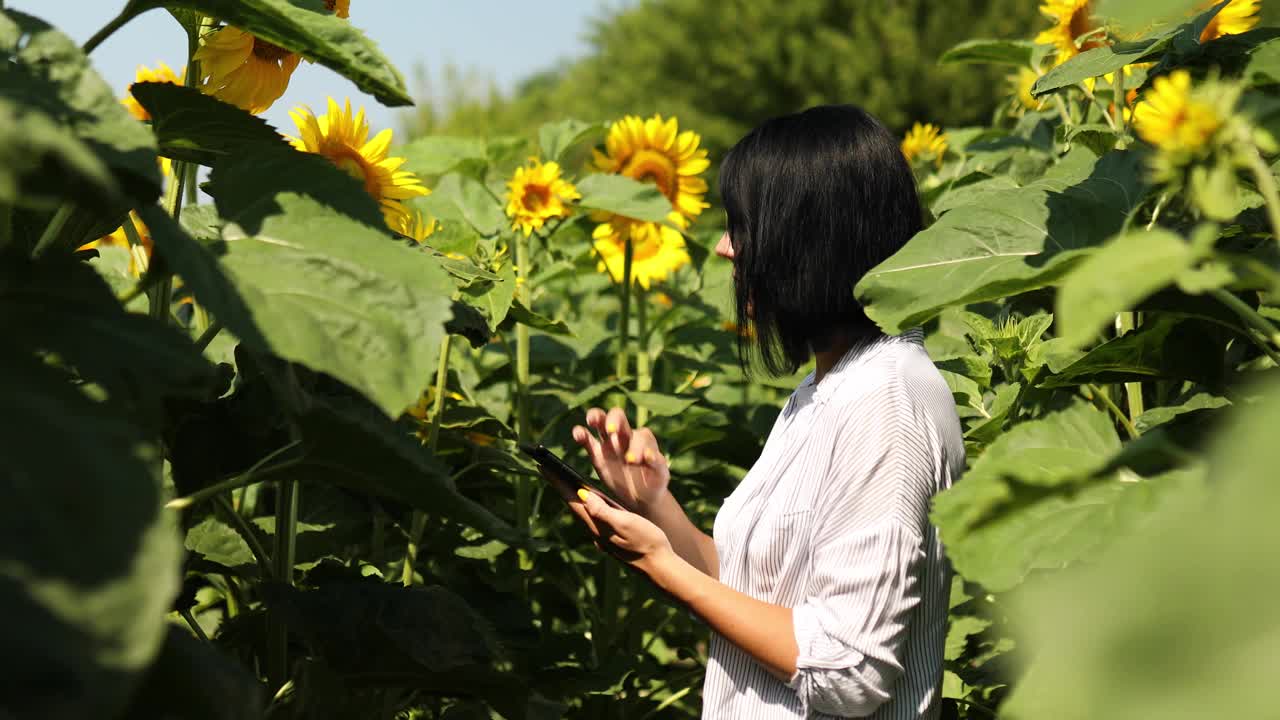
{"points": [[644, 377], [522, 340], [210, 332], [622, 362], [1093, 391], [1118, 101], [109, 29], [1101, 110], [6, 225], [419, 522], [1266, 183], [195, 626], [53, 230], [1125, 322], [1251, 317], [283, 555], [161, 294]]}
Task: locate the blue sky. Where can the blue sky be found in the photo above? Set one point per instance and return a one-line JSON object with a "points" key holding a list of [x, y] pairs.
{"points": [[503, 40]]}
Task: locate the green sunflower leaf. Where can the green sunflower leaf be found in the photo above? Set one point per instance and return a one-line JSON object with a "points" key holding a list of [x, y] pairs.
{"points": [[47, 72], [1115, 278], [321, 289], [1098, 62], [557, 138], [350, 443], [623, 196], [523, 315], [245, 186], [1006, 242], [196, 127], [995, 52], [62, 306], [309, 30], [1168, 617], [436, 155], [89, 560], [41, 163]]}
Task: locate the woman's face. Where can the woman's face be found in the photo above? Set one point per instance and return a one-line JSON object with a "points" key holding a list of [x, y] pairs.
{"points": [[724, 248]]}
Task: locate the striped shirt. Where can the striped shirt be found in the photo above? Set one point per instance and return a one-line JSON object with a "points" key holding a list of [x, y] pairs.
{"points": [[832, 521]]}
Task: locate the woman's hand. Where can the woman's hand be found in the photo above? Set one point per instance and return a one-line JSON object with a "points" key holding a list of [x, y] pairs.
{"points": [[627, 536], [628, 461]]}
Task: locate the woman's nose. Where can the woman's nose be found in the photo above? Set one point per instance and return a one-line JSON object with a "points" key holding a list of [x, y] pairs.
{"points": [[724, 248]]}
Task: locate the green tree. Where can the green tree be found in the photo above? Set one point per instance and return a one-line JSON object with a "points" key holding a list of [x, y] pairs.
{"points": [[723, 67]]}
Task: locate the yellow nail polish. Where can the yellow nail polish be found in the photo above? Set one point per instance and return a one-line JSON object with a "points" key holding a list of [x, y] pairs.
{"points": [[611, 428], [631, 457], [583, 493]]}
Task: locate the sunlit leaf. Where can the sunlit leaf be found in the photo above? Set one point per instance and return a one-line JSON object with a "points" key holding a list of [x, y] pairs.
{"points": [[314, 34]]}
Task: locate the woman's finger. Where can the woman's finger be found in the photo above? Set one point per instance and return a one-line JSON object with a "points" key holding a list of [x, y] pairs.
{"points": [[588, 441], [619, 430], [596, 420], [604, 512], [574, 502]]}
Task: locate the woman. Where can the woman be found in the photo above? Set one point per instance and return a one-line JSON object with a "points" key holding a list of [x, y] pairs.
{"points": [[825, 585]]}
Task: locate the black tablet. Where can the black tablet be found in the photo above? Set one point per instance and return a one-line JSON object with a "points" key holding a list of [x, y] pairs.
{"points": [[549, 460]]}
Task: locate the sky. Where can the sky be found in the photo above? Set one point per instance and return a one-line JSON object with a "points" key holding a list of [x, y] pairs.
{"points": [[504, 40]]}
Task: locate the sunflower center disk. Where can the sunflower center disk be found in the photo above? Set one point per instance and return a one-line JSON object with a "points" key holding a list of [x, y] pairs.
{"points": [[537, 197], [354, 166], [652, 166], [1081, 24], [268, 51]]}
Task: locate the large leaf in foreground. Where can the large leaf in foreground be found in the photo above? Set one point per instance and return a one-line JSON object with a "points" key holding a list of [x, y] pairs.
{"points": [[1027, 501], [1115, 278], [1172, 623], [190, 125], [342, 298], [320, 289], [246, 186], [1167, 347], [45, 72], [42, 163], [348, 443], [1009, 242], [88, 562], [312, 33], [62, 306], [196, 680]]}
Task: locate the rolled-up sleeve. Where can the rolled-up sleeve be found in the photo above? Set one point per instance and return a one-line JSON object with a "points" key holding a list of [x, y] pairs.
{"points": [[867, 553], [852, 627]]}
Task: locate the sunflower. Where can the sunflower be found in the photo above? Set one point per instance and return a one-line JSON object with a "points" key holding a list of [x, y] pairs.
{"points": [[656, 152], [343, 139], [657, 250], [924, 141], [1237, 17], [1021, 83], [341, 8], [244, 70], [421, 411], [162, 74], [536, 194], [139, 256], [1072, 19], [1173, 119], [417, 226]]}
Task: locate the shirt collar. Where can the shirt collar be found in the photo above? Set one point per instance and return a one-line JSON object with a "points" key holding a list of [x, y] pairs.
{"points": [[860, 351]]}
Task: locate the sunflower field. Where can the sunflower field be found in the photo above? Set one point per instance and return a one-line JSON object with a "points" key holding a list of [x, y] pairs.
{"points": [[265, 384]]}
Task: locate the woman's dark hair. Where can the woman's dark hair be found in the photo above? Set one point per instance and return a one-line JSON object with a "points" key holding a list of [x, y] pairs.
{"points": [[814, 200]]}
